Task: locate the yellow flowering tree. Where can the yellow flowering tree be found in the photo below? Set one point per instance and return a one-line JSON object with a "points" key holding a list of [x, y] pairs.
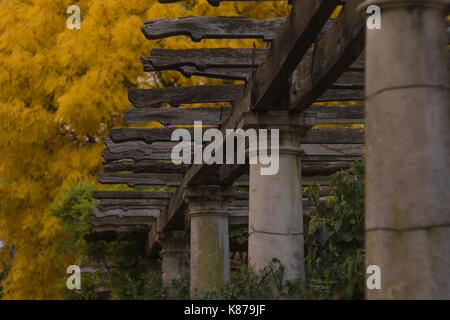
{"points": [[61, 90]]}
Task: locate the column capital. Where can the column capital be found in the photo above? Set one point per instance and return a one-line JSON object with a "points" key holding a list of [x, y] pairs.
{"points": [[292, 127], [388, 4], [208, 199], [301, 122]]}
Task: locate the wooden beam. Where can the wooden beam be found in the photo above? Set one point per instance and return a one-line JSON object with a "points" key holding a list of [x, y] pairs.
{"points": [[217, 2], [142, 151], [334, 136], [177, 116], [230, 173], [140, 179], [331, 56], [143, 166], [226, 27], [221, 63], [314, 152], [132, 194], [163, 59], [302, 27], [343, 94], [216, 73], [216, 115], [175, 96], [115, 147], [131, 203], [331, 113], [126, 212], [144, 135], [116, 221], [148, 135], [110, 209], [352, 77], [111, 231]]}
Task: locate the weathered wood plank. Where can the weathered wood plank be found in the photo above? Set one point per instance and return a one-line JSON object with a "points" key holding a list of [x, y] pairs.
{"points": [[334, 136], [319, 153], [132, 194], [216, 73], [313, 152], [137, 210], [359, 64], [215, 116], [142, 166], [350, 79], [116, 221], [135, 155], [354, 112], [217, 2], [336, 152], [221, 63], [140, 179], [353, 76], [131, 203], [163, 59], [111, 231], [231, 173], [342, 94], [314, 136], [175, 96], [331, 56], [177, 116], [140, 150], [225, 27], [148, 135], [126, 213], [306, 181]]}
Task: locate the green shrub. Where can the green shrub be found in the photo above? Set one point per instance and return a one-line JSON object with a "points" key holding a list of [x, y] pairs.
{"points": [[334, 235], [334, 254]]}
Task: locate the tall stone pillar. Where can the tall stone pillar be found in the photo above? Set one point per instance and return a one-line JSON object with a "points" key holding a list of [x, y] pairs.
{"points": [[407, 150], [210, 248], [174, 261], [275, 213]]}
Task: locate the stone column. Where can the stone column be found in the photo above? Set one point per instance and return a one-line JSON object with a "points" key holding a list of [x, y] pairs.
{"points": [[407, 150], [209, 249], [275, 212], [174, 260]]}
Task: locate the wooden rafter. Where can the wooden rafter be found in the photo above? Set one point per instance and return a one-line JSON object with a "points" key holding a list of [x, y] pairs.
{"points": [[141, 98], [140, 179], [332, 55], [215, 116], [226, 27]]}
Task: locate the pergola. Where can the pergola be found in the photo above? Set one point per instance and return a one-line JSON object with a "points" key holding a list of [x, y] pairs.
{"points": [[399, 71]]}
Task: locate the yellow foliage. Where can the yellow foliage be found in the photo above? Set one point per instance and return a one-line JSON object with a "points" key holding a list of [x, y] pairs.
{"points": [[61, 91]]}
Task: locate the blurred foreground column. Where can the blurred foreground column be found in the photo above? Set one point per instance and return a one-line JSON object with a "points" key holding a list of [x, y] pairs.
{"points": [[407, 150]]}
